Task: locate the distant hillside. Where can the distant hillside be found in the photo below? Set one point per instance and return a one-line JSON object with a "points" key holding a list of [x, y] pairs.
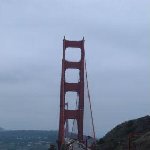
{"points": [[1, 129], [117, 138], [26, 139]]}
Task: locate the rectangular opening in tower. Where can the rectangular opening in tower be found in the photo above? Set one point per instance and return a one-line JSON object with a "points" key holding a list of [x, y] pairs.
{"points": [[72, 99], [72, 75], [71, 128], [73, 54]]}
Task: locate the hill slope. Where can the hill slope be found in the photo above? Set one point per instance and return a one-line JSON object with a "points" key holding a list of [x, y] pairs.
{"points": [[1, 129], [117, 138]]}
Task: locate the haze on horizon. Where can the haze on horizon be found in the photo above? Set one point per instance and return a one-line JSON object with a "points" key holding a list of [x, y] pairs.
{"points": [[117, 36]]}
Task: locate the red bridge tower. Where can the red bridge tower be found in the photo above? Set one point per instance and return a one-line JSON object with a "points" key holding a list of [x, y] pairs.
{"points": [[66, 114]]}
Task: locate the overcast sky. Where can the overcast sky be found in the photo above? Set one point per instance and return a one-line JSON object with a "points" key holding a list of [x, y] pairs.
{"points": [[117, 45]]}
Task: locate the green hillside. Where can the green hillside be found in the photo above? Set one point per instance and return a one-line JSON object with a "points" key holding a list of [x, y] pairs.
{"points": [[118, 137]]}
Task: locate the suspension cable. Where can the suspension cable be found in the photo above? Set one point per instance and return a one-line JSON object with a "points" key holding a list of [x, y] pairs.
{"points": [[90, 102]]}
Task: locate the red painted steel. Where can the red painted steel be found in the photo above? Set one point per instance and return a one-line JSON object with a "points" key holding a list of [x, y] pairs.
{"points": [[72, 65], [72, 87]]}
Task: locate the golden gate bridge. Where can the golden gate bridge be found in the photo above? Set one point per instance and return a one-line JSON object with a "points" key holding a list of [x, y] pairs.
{"points": [[76, 126]]}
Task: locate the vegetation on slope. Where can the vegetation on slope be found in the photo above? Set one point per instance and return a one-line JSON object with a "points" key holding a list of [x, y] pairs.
{"points": [[118, 137]]}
